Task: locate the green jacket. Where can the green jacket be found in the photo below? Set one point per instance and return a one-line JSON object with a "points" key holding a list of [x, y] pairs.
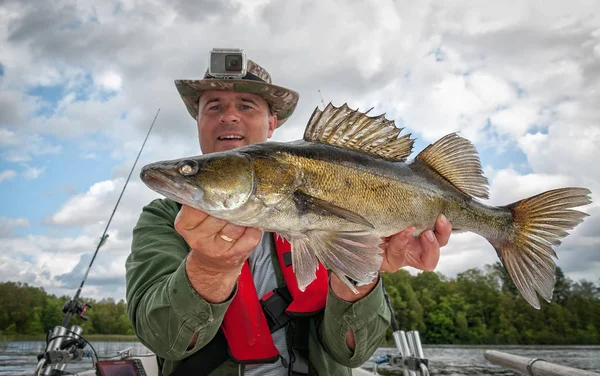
{"points": [[166, 312]]}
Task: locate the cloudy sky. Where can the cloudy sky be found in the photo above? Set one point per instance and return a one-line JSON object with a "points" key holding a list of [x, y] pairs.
{"points": [[81, 81]]}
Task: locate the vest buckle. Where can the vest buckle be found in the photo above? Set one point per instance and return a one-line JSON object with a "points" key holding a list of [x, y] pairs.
{"points": [[274, 304]]}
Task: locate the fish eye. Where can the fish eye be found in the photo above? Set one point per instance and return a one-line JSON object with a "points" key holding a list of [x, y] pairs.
{"points": [[188, 167]]}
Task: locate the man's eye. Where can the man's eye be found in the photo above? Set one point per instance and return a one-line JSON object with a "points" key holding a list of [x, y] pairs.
{"points": [[214, 108], [245, 107]]}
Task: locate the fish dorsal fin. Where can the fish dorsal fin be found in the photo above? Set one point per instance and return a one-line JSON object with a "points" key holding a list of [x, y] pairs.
{"points": [[456, 159], [354, 130]]}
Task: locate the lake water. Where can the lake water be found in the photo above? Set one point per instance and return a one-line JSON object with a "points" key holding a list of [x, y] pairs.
{"points": [[20, 358]]}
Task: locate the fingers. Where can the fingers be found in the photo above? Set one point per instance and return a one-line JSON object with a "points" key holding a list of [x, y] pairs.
{"points": [[216, 244], [231, 232], [248, 240], [195, 226], [188, 218], [443, 229], [428, 256], [422, 252], [395, 250]]}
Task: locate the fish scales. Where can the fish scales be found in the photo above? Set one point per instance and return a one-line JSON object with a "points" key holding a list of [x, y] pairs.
{"points": [[390, 201]]}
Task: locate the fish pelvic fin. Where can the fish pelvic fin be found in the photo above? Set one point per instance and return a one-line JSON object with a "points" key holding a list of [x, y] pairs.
{"points": [[347, 254], [455, 158], [354, 130], [539, 222]]}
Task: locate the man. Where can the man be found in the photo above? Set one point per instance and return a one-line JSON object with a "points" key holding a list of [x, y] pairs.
{"points": [[192, 278]]}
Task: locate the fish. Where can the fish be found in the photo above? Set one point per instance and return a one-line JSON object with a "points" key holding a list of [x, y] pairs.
{"points": [[348, 184]]}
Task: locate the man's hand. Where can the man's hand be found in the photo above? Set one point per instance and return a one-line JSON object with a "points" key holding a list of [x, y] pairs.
{"points": [[423, 252], [218, 251], [400, 250]]}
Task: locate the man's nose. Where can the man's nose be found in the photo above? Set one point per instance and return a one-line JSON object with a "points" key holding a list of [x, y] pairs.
{"points": [[230, 115]]}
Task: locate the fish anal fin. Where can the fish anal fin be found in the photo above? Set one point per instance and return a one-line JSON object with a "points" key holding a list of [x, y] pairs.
{"points": [[354, 130], [309, 204], [455, 159], [347, 254]]}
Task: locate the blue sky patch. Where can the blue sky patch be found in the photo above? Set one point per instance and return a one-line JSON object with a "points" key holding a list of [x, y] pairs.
{"points": [[51, 93], [50, 96], [65, 175]]}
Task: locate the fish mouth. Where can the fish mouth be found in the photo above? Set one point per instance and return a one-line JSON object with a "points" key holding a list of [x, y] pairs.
{"points": [[157, 181], [162, 183]]}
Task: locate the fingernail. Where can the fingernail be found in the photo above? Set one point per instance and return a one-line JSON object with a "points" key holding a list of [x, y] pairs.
{"points": [[429, 235], [443, 219]]}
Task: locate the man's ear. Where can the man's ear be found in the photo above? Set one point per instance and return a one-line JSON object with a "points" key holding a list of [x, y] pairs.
{"points": [[272, 125]]}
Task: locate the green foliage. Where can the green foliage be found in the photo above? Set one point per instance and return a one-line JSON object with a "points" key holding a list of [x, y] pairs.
{"points": [[30, 310], [476, 307], [484, 307]]}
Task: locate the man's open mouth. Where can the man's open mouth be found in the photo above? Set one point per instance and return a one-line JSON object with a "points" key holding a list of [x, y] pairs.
{"points": [[230, 138]]}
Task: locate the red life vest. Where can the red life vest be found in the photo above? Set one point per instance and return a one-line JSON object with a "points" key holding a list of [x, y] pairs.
{"points": [[245, 325]]}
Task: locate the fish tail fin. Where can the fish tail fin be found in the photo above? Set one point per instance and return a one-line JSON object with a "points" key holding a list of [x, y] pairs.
{"points": [[539, 222]]}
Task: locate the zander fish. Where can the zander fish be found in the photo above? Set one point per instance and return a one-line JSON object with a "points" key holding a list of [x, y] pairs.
{"points": [[347, 184]]}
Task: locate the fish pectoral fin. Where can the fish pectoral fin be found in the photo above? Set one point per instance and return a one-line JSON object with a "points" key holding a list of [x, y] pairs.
{"points": [[347, 254], [309, 204], [456, 160]]}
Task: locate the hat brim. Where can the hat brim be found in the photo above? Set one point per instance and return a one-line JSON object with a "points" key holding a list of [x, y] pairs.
{"points": [[283, 101]]}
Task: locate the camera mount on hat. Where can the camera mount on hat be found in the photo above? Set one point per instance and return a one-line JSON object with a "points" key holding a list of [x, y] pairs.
{"points": [[227, 63]]}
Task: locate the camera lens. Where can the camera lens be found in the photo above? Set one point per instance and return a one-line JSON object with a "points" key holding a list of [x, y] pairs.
{"points": [[233, 63]]}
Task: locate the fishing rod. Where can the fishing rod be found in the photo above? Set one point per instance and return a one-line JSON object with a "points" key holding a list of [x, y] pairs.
{"points": [[322, 101], [73, 303], [65, 345]]}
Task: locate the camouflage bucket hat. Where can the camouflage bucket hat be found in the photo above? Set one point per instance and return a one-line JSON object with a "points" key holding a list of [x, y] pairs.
{"points": [[257, 81]]}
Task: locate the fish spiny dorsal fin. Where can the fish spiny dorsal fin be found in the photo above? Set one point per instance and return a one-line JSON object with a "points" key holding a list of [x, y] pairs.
{"points": [[456, 159], [354, 130]]}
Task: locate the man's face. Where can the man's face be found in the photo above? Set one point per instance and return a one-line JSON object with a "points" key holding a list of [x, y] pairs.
{"points": [[228, 120]]}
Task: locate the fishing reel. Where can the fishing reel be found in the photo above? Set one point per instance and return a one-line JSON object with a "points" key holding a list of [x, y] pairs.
{"points": [[74, 307]]}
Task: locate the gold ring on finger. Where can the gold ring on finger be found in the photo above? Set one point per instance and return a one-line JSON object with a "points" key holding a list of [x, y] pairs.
{"points": [[226, 238]]}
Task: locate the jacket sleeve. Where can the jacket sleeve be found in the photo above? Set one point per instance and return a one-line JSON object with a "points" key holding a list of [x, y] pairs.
{"points": [[163, 307], [368, 318]]}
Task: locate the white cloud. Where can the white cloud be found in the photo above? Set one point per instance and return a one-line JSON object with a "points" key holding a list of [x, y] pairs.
{"points": [[94, 207], [22, 146], [8, 224], [109, 80], [7, 137], [515, 120], [59, 262], [32, 172], [7, 175], [28, 172]]}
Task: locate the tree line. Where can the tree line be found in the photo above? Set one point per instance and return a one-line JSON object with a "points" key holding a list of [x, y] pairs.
{"points": [[476, 307]]}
